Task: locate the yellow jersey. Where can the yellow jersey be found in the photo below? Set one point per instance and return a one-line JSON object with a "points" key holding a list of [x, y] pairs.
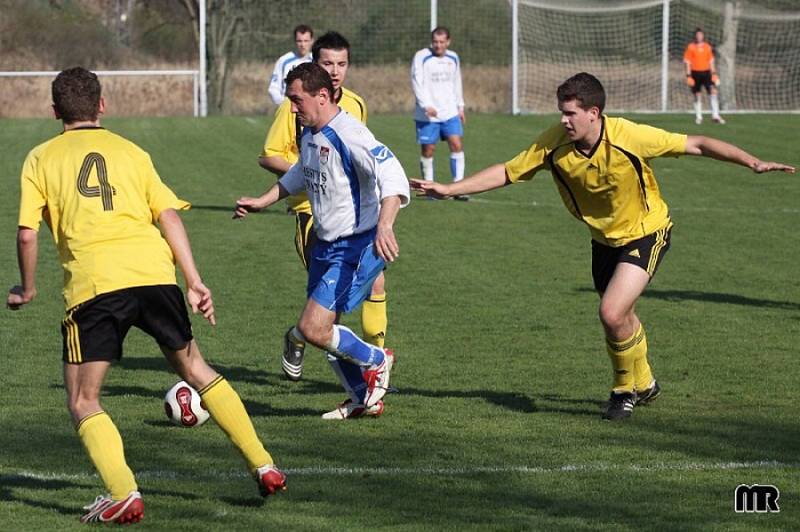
{"points": [[100, 195], [284, 134], [612, 188]]}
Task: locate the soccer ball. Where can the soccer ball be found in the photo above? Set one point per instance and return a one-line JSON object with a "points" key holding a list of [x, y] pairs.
{"points": [[184, 406]]}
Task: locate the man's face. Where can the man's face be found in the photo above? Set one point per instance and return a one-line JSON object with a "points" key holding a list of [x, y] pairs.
{"points": [[576, 121], [307, 106], [336, 63], [303, 42], [439, 44], [699, 37]]}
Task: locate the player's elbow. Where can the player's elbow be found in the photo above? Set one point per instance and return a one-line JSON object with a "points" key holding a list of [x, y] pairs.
{"points": [[696, 144], [26, 236]]}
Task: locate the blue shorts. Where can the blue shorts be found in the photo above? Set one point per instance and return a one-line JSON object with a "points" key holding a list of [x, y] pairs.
{"points": [[433, 132], [342, 272]]}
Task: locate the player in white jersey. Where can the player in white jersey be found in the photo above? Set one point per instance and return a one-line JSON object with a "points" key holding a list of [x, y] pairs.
{"points": [[303, 39], [356, 187], [439, 110]]}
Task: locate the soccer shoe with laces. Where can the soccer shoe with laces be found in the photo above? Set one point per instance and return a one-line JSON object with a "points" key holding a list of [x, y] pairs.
{"points": [[648, 395], [620, 406], [292, 360], [378, 379], [352, 410], [104, 509], [270, 479]]}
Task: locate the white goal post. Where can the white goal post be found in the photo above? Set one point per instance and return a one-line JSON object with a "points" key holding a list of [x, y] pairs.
{"points": [[635, 47], [194, 74]]}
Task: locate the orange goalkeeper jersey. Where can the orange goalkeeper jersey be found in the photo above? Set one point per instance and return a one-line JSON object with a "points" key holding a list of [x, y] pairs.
{"points": [[699, 56]]}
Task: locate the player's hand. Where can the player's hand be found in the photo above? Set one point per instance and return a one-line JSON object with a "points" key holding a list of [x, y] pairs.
{"points": [[386, 244], [430, 189], [199, 297], [245, 205], [761, 167], [17, 297], [690, 80], [462, 116], [430, 112], [715, 80]]}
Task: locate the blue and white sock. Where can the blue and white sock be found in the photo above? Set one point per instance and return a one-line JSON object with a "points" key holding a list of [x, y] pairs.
{"points": [[345, 344], [351, 378], [457, 166]]}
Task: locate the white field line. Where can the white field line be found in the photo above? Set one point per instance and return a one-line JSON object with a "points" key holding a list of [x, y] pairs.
{"points": [[785, 210], [320, 471]]}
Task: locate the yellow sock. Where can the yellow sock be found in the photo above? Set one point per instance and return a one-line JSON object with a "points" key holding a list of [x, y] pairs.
{"points": [[642, 374], [104, 446], [623, 355], [374, 320], [226, 408]]}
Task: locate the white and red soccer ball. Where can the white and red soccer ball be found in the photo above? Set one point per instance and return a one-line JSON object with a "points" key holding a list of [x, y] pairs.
{"points": [[184, 407]]}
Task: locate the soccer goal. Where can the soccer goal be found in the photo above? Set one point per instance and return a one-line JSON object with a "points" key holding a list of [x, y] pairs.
{"points": [[635, 47]]}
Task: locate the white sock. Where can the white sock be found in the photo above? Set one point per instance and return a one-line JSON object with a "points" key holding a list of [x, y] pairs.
{"points": [[426, 167], [714, 106], [457, 166], [698, 109]]}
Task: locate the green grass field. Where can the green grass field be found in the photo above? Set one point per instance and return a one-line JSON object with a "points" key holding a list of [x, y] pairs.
{"points": [[502, 371]]}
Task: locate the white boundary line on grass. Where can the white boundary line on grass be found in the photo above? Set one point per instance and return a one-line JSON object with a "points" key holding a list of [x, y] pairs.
{"points": [[320, 471]]}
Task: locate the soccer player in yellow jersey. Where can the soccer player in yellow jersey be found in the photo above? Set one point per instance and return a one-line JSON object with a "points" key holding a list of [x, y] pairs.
{"points": [[601, 167], [101, 198], [331, 52]]}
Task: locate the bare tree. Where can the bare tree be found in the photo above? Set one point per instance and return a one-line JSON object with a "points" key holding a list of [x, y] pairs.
{"points": [[223, 17]]}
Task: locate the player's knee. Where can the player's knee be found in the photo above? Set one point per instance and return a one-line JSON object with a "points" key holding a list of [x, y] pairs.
{"points": [[313, 332], [428, 149], [456, 145], [613, 318], [82, 404], [378, 287]]}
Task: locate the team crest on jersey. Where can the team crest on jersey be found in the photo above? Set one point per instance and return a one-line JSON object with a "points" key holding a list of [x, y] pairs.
{"points": [[324, 151], [381, 153]]}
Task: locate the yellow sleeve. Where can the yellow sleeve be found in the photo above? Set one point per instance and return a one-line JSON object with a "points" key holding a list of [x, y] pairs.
{"points": [[525, 165], [650, 142], [33, 200], [159, 196], [281, 139]]}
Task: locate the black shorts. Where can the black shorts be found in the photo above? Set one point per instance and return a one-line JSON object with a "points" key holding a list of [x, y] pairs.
{"points": [[304, 237], [645, 252], [95, 330], [702, 78]]}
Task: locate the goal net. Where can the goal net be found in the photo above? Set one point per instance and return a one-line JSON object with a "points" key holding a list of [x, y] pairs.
{"points": [[635, 48]]}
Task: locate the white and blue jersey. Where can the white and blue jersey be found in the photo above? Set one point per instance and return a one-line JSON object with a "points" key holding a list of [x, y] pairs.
{"points": [[346, 172], [277, 83], [437, 83]]}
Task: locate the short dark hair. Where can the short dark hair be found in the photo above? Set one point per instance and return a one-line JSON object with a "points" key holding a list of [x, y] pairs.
{"points": [[302, 28], [76, 95], [314, 78], [333, 40], [586, 89], [441, 30]]}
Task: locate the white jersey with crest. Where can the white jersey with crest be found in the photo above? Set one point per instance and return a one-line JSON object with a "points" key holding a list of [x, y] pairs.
{"points": [[346, 173], [285, 63], [437, 83]]}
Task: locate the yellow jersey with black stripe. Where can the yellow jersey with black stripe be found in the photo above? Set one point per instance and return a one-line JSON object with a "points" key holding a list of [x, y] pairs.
{"points": [[100, 195], [612, 188], [284, 134]]}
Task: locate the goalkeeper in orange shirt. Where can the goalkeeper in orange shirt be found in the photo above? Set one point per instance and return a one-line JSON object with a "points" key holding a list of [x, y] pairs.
{"points": [[701, 72]]}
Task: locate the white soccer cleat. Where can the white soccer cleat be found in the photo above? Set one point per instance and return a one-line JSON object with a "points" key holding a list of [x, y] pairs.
{"points": [[378, 379], [718, 120], [104, 509], [698, 120], [352, 410]]}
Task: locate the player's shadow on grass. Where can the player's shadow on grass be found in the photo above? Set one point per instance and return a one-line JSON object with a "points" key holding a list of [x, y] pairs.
{"points": [[9, 482], [714, 297]]}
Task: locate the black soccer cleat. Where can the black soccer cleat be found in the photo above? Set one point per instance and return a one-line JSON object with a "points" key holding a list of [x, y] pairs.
{"points": [[292, 359], [620, 406], [649, 395]]}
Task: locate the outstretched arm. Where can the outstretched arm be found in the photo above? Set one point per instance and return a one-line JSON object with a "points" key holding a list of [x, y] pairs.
{"points": [[245, 204], [197, 294], [27, 255], [487, 179], [718, 149]]}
